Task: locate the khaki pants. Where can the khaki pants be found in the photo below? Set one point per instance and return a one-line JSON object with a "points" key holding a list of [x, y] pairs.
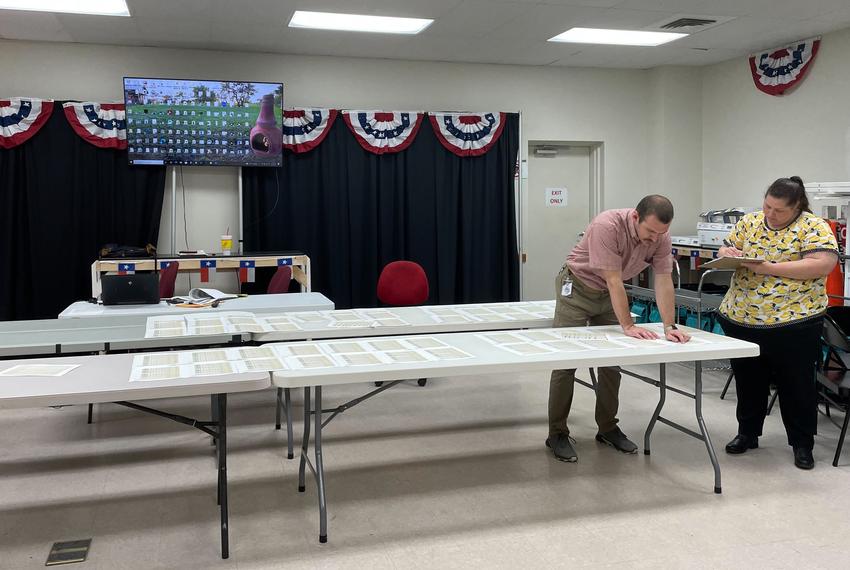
{"points": [[584, 306]]}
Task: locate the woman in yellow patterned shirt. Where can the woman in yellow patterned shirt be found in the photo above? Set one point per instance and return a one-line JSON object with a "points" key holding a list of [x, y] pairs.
{"points": [[779, 304]]}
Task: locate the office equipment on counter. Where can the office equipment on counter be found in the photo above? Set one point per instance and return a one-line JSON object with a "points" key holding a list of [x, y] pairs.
{"points": [[715, 225], [686, 241], [137, 289]]}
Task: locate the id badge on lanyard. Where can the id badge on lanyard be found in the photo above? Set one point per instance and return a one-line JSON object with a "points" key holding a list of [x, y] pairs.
{"points": [[566, 287]]}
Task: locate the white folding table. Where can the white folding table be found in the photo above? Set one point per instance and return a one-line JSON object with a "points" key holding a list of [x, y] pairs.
{"points": [[419, 320], [487, 358], [116, 331], [276, 303], [102, 335], [106, 379]]}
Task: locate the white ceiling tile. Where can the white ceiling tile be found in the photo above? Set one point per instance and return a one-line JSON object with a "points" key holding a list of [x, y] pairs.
{"points": [[519, 52], [371, 45], [298, 41], [184, 32], [475, 18], [263, 37], [170, 10], [806, 9], [586, 3], [424, 48], [685, 56], [490, 31], [742, 32], [836, 20], [543, 21], [266, 11], [38, 26], [94, 29], [766, 8], [594, 56], [410, 8], [646, 57], [702, 7]]}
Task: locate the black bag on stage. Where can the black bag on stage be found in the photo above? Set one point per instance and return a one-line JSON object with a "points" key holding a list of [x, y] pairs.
{"points": [[115, 251]]}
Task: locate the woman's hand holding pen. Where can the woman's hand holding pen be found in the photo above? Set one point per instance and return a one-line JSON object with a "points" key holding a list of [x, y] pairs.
{"points": [[729, 251]]}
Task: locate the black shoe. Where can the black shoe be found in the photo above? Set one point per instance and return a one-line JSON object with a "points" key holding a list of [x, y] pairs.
{"points": [[803, 458], [618, 440], [560, 445], [741, 443]]}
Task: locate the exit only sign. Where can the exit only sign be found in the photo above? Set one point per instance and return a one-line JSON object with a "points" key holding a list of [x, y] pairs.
{"points": [[556, 197]]}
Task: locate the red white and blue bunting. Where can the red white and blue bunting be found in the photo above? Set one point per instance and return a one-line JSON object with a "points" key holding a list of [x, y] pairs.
{"points": [[102, 124], [777, 70], [21, 118], [380, 132], [383, 132], [468, 134], [305, 129]]}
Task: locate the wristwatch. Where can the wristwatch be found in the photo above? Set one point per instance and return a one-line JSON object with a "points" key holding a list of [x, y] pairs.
{"points": [[672, 327]]}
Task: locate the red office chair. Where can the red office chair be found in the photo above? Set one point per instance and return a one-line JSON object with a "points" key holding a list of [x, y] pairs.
{"points": [[167, 277], [403, 284], [280, 280]]}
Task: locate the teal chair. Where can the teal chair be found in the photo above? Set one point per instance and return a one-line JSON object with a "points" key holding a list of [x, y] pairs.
{"points": [[654, 314], [640, 309]]}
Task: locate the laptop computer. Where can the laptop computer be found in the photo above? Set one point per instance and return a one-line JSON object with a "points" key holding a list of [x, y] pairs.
{"points": [[137, 289]]}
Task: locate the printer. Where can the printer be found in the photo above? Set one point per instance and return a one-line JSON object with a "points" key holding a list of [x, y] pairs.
{"points": [[715, 225]]}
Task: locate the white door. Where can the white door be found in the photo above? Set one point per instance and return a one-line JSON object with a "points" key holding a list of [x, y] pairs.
{"points": [[551, 231]]}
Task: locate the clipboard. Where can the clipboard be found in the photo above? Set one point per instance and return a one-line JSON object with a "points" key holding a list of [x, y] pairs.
{"points": [[730, 262]]}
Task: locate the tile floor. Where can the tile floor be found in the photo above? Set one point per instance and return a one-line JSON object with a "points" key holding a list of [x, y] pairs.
{"points": [[453, 475]]}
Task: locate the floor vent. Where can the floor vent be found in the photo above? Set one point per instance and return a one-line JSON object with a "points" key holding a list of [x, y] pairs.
{"points": [[68, 552]]}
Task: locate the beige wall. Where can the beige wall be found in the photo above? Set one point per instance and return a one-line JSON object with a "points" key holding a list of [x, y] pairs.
{"points": [[675, 141], [648, 121], [750, 138]]}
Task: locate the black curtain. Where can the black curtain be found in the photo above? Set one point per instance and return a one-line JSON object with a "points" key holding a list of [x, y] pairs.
{"points": [[353, 212], [61, 199]]}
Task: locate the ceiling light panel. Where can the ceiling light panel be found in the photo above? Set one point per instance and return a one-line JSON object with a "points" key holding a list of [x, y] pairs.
{"points": [[616, 37], [92, 7], [358, 23]]}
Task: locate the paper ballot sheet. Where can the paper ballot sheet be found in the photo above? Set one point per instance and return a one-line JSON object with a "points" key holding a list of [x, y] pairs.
{"points": [[53, 370], [291, 356]]}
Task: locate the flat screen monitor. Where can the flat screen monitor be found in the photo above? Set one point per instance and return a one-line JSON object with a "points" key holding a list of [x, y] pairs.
{"points": [[203, 123]]}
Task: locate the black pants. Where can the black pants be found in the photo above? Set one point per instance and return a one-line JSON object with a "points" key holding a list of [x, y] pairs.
{"points": [[787, 358]]}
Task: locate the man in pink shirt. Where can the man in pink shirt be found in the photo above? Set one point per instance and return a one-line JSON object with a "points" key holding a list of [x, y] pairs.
{"points": [[617, 246]]}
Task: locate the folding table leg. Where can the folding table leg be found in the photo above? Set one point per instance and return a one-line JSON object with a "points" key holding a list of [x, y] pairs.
{"points": [[222, 469], [662, 397], [726, 386], [841, 437], [305, 442], [287, 406], [703, 430], [320, 470], [277, 408]]}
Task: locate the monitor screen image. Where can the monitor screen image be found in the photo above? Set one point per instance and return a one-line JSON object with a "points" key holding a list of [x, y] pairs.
{"points": [[203, 123]]}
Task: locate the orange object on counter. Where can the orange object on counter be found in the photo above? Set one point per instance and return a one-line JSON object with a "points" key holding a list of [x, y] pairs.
{"points": [[835, 280]]}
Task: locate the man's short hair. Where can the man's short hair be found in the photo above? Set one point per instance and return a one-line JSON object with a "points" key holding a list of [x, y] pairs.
{"points": [[655, 205]]}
